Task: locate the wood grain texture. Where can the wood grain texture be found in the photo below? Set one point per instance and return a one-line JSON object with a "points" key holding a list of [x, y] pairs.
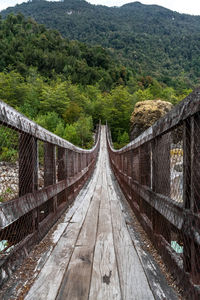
{"points": [[76, 281], [49, 280], [105, 280], [17, 121], [134, 284], [94, 257]]}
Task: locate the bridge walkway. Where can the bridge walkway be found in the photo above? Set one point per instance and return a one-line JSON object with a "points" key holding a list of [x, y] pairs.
{"points": [[95, 257]]}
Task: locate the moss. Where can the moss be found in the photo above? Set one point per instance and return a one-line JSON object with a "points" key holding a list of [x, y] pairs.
{"points": [[146, 113]]}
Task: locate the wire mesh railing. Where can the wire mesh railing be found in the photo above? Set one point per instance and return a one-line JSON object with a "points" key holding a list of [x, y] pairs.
{"points": [[159, 173], [40, 175]]}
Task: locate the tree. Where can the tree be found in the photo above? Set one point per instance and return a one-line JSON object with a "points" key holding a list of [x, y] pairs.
{"points": [[70, 134], [50, 121], [54, 98], [84, 128], [118, 108], [72, 114]]}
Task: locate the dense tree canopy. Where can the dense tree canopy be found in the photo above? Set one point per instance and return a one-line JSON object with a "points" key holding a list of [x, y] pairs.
{"points": [[24, 43], [67, 86], [149, 39]]}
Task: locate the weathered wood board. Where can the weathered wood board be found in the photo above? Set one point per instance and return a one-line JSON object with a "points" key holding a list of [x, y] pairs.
{"points": [[49, 280], [105, 280], [95, 257], [134, 284]]}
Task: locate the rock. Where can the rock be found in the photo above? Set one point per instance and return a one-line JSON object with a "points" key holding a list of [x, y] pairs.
{"points": [[9, 181], [145, 114]]}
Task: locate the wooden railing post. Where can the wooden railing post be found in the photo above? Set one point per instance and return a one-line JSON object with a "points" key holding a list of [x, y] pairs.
{"points": [[135, 176], [28, 170], [191, 195], [62, 171], [75, 163], [186, 192], [129, 172], [62, 163], [145, 165], [50, 168], [70, 165], [84, 160], [79, 162], [161, 180], [88, 162], [84, 165], [49, 164], [28, 164], [145, 171], [70, 172]]}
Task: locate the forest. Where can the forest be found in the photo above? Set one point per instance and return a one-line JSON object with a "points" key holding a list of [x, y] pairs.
{"points": [[67, 86], [148, 39]]}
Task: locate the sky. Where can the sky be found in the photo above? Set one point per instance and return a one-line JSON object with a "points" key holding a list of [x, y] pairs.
{"points": [[183, 6]]}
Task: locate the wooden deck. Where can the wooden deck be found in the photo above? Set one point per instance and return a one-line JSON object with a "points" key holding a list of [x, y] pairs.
{"points": [[94, 257]]}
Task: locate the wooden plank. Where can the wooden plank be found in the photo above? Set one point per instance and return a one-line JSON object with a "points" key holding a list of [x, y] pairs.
{"points": [[134, 284], [105, 280], [117, 272], [156, 279], [69, 214], [48, 282], [76, 281], [49, 279]]}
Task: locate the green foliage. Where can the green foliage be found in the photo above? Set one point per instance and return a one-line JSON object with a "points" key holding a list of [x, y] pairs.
{"points": [[56, 104], [8, 154], [144, 95], [122, 140], [54, 98], [60, 129], [12, 88], [118, 108], [84, 127], [8, 145], [73, 113], [67, 87], [25, 45], [80, 132], [49, 120], [70, 134], [150, 40]]}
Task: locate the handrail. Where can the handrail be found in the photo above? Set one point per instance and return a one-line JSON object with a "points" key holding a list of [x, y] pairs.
{"points": [[159, 173], [33, 209], [19, 122]]}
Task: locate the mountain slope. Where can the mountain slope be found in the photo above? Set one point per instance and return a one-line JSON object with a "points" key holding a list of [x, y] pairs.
{"points": [[26, 44], [150, 39]]}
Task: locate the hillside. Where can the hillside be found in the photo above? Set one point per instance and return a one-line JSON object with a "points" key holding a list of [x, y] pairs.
{"points": [[67, 86], [149, 39], [24, 43]]}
